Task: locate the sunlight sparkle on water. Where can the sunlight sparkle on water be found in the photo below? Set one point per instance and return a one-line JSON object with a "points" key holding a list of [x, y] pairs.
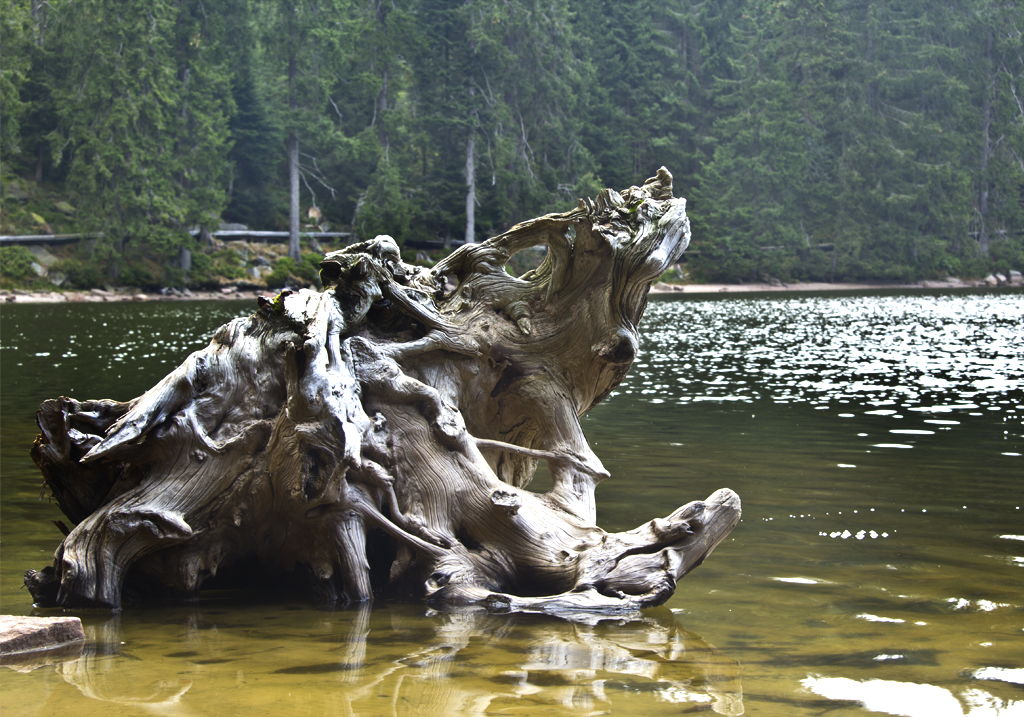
{"points": [[909, 699], [910, 353]]}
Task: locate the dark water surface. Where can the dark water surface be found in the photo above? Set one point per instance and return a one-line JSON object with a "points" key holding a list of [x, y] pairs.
{"points": [[876, 443]]}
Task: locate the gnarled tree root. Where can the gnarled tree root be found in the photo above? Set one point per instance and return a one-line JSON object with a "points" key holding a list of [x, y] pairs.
{"points": [[378, 435]]}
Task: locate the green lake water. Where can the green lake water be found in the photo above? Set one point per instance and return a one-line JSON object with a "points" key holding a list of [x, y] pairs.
{"points": [[876, 441]]}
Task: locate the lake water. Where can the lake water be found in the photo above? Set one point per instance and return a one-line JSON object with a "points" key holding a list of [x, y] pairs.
{"points": [[876, 443]]}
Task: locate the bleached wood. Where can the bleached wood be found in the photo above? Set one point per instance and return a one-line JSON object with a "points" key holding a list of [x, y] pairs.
{"points": [[378, 436]]}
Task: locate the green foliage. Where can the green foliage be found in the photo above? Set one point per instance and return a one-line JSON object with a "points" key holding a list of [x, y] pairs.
{"points": [[82, 274], [202, 272], [207, 268], [257, 197], [143, 114], [309, 269], [643, 95], [287, 273], [675, 274], [282, 272], [849, 142], [815, 141], [16, 263], [383, 208], [526, 260], [17, 30]]}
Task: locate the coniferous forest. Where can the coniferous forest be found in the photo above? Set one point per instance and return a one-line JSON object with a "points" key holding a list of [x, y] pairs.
{"points": [[842, 140]]}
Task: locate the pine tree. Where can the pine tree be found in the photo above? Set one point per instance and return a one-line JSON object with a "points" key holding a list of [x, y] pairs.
{"points": [[996, 35], [862, 139], [18, 35], [905, 198], [448, 113], [306, 43], [527, 85], [386, 36], [756, 188], [143, 124], [642, 105], [256, 193]]}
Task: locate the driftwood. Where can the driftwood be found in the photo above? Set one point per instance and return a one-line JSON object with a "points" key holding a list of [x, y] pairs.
{"points": [[377, 437]]}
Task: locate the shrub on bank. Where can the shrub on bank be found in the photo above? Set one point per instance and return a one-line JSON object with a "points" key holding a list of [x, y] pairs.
{"points": [[287, 273], [16, 265]]}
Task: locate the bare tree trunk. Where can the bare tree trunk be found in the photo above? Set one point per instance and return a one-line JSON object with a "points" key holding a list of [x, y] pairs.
{"points": [[385, 141], [986, 148], [377, 436], [471, 174], [39, 9], [471, 187], [294, 248]]}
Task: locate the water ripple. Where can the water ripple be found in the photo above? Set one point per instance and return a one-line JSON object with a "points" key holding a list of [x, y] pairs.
{"points": [[922, 353]]}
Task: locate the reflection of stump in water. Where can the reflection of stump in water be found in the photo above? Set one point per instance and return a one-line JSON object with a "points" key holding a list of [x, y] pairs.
{"points": [[107, 672], [376, 437], [398, 662]]}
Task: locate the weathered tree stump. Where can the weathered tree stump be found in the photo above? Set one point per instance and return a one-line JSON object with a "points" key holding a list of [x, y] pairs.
{"points": [[377, 436]]}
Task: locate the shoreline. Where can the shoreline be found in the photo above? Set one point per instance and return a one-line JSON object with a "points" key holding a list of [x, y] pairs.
{"points": [[821, 287], [95, 296], [233, 293]]}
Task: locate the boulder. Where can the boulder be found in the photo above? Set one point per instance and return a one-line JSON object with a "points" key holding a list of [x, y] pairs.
{"points": [[43, 255], [16, 191], [25, 634]]}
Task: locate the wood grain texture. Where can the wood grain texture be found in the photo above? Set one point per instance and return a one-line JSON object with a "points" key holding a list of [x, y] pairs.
{"points": [[377, 437]]}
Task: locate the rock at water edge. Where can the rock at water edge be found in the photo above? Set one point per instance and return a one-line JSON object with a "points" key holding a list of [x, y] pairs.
{"points": [[23, 634]]}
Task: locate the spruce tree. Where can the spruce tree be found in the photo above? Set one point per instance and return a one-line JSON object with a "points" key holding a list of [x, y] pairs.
{"points": [[18, 37], [143, 126], [305, 44]]}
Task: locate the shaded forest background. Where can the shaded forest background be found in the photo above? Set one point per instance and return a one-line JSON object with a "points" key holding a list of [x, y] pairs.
{"points": [[845, 141]]}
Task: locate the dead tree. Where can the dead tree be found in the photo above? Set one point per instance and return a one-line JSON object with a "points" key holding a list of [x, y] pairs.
{"points": [[378, 436]]}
